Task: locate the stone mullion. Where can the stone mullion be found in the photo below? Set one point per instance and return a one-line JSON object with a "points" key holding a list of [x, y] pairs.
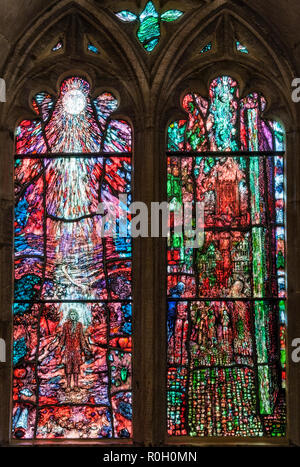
{"points": [[143, 289]]}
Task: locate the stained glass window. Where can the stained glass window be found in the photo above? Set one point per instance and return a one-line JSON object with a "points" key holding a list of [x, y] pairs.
{"points": [[149, 32], [206, 48], [72, 304], [227, 298], [58, 46], [92, 48], [241, 48]]}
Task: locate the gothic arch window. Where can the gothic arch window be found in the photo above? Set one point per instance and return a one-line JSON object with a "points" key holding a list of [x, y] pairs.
{"points": [[73, 300], [209, 355], [227, 298]]}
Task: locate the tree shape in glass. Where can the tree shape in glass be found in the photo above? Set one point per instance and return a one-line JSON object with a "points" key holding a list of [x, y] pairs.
{"points": [[149, 31], [72, 308], [226, 299]]}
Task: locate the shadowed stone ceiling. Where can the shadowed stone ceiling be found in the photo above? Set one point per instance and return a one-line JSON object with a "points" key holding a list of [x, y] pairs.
{"points": [[282, 16]]}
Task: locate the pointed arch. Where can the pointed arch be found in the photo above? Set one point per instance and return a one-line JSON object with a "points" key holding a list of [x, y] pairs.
{"points": [[32, 58], [268, 67]]}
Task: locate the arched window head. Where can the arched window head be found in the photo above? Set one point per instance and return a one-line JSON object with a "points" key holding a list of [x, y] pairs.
{"points": [[226, 294], [72, 304], [73, 123]]}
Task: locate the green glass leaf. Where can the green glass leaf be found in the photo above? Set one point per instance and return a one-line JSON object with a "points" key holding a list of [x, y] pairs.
{"points": [[149, 33], [148, 12], [283, 357], [151, 45], [149, 29], [280, 260], [171, 15], [126, 16], [124, 374]]}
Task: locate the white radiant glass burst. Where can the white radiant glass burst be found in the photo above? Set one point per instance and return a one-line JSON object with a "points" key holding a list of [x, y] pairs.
{"points": [[74, 102]]}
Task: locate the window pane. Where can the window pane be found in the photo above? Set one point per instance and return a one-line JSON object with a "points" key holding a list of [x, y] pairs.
{"points": [[226, 298], [73, 303]]}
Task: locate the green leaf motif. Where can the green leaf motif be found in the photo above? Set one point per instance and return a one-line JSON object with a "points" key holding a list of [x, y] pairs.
{"points": [[149, 19], [148, 12], [171, 15]]}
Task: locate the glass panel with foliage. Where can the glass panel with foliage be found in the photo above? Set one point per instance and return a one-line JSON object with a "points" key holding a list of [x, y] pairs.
{"points": [[226, 299]]}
